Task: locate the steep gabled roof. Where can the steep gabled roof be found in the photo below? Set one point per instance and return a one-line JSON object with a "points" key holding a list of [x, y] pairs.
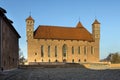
{"points": [[63, 33], [3, 10], [8, 21], [79, 25]]}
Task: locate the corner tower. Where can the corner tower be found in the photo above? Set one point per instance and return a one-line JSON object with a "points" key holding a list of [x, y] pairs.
{"points": [[96, 30], [29, 35], [96, 36], [29, 28]]}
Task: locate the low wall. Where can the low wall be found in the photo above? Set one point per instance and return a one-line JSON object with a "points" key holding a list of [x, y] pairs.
{"points": [[97, 65], [101, 65], [115, 66], [53, 65]]}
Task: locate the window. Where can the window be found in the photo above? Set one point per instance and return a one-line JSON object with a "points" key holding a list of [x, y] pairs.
{"points": [[72, 50], [55, 51], [42, 51], [35, 53], [64, 50], [73, 60], [79, 50], [42, 60], [92, 50], [85, 50], [79, 60], [48, 51], [35, 60], [56, 60], [64, 60], [85, 60], [49, 60]]}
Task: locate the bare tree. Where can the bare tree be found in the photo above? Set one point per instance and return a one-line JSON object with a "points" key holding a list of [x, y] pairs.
{"points": [[113, 58], [22, 59]]}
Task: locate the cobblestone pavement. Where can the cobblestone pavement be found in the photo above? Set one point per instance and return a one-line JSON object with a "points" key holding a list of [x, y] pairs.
{"points": [[60, 74]]}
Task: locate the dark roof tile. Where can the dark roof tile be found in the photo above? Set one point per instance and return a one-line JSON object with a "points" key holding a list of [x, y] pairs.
{"points": [[96, 22]]}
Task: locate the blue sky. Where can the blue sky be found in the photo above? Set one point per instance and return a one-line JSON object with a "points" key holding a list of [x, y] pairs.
{"points": [[68, 13]]}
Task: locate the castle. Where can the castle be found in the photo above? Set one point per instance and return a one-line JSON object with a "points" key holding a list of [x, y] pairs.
{"points": [[62, 44]]}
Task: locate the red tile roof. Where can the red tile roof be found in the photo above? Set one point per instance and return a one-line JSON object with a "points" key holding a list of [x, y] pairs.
{"points": [[30, 18], [63, 33], [79, 25]]}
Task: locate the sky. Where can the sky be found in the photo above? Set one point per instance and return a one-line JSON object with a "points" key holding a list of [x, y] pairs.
{"points": [[68, 13]]}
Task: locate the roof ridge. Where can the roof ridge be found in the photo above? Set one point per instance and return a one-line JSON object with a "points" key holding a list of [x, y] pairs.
{"points": [[55, 26], [66, 33]]}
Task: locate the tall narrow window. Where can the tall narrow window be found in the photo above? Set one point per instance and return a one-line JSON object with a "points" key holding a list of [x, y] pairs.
{"points": [[72, 50], [55, 51], [79, 50], [42, 51], [85, 50], [64, 50], [92, 50], [48, 51]]}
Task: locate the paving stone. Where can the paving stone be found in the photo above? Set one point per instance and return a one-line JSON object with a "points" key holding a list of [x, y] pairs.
{"points": [[61, 74]]}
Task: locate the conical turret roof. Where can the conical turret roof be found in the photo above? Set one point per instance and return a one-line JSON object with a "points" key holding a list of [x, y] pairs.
{"points": [[96, 22], [29, 18]]}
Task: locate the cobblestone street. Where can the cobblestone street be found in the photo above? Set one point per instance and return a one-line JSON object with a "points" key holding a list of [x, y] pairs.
{"points": [[60, 74]]}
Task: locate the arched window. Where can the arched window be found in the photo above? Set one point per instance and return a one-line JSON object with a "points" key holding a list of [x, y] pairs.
{"points": [[85, 50], [92, 50], [48, 51], [56, 60], [85, 60], [64, 50], [55, 51], [79, 50], [35, 60], [72, 50], [64, 60], [49, 60], [79, 60], [35, 53], [42, 60], [42, 51], [72, 60]]}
